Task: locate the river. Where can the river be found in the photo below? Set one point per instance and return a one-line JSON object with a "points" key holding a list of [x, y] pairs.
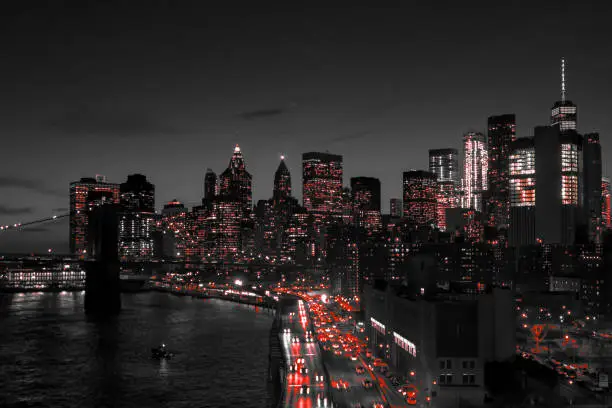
{"points": [[51, 355]]}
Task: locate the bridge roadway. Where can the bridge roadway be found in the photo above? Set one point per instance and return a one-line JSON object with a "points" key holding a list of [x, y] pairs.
{"points": [[294, 395]]}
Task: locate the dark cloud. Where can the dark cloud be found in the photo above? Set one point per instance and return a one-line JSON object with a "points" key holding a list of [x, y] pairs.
{"points": [[86, 120], [262, 113], [351, 136], [29, 184], [4, 210]]}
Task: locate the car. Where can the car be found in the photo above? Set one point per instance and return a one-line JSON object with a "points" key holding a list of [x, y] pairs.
{"points": [[300, 361], [359, 369], [303, 370], [295, 340], [338, 352], [367, 384], [354, 357], [304, 389], [378, 405]]}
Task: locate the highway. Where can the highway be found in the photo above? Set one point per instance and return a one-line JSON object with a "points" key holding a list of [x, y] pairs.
{"points": [[303, 388]]}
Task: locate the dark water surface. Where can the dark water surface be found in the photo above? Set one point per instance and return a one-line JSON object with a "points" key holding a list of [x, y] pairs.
{"points": [[52, 356]]}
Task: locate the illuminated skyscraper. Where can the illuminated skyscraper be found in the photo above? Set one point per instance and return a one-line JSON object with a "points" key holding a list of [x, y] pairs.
{"points": [[444, 163], [475, 165], [420, 206], [564, 113], [606, 210], [235, 183], [210, 185], [522, 197], [558, 167], [395, 207], [137, 218], [366, 202], [322, 184], [85, 195], [591, 181], [501, 133], [282, 184], [227, 229]]}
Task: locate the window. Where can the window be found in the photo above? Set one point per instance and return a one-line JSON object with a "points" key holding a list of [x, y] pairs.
{"points": [[442, 379], [448, 364], [469, 379], [449, 378], [442, 365], [472, 364], [464, 364]]}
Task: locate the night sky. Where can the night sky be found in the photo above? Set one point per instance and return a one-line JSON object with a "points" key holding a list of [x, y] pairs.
{"points": [[167, 90]]}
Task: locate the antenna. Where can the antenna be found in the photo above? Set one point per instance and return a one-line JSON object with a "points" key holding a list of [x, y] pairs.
{"points": [[563, 80]]}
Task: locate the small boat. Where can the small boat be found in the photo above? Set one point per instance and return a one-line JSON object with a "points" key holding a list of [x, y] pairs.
{"points": [[161, 352]]}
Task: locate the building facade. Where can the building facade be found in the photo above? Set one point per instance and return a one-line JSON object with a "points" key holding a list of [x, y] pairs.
{"points": [[522, 194], [85, 195], [501, 133], [444, 163], [420, 204], [475, 169], [322, 184]]}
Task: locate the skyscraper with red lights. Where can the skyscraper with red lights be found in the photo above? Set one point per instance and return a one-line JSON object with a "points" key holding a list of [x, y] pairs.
{"points": [[522, 183], [591, 186], [444, 163], [282, 184], [395, 207], [475, 169], [85, 195], [235, 183], [564, 113], [366, 202], [137, 220], [605, 203], [501, 133], [322, 184], [420, 204]]}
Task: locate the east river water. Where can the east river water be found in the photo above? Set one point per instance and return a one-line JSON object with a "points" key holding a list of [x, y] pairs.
{"points": [[51, 355]]}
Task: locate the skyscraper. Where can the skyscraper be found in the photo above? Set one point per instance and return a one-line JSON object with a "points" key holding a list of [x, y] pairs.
{"points": [[322, 184], [501, 133], [558, 201], [444, 163], [173, 224], [564, 113], [366, 202], [235, 183], [282, 184], [137, 218], [591, 182], [475, 165], [420, 206], [522, 197], [85, 195], [606, 210], [210, 185], [395, 207]]}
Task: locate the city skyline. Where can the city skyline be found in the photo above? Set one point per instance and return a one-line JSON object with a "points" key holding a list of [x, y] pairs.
{"points": [[379, 136]]}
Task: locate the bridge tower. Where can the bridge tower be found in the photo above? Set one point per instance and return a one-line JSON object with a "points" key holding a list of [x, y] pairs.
{"points": [[102, 286]]}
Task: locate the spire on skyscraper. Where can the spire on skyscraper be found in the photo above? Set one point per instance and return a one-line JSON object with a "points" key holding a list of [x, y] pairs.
{"points": [[563, 80]]}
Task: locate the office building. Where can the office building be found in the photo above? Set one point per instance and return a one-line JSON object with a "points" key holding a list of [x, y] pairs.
{"points": [[501, 133], [591, 181], [558, 200], [605, 203], [420, 205], [395, 207], [444, 346], [235, 184], [137, 219], [282, 184], [475, 165], [444, 163], [522, 197], [210, 185], [365, 197], [322, 184], [85, 195], [174, 230]]}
